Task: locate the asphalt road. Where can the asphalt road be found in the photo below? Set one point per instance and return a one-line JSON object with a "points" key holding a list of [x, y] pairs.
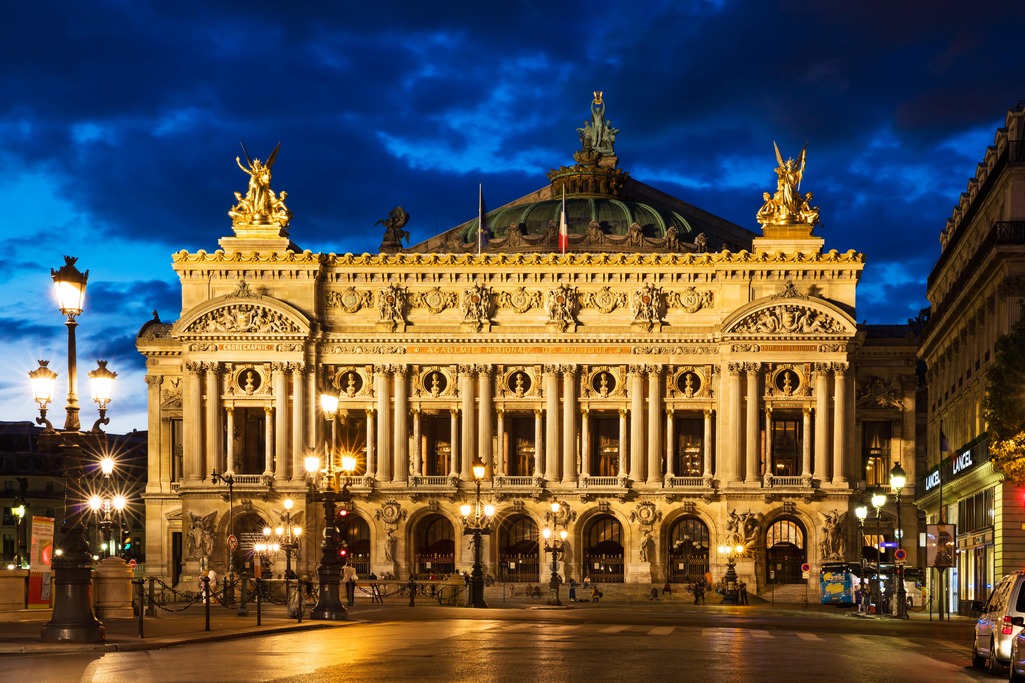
{"points": [[614, 643]]}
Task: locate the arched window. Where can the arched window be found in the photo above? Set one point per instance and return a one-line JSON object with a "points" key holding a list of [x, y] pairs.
{"points": [[785, 551], [518, 550], [434, 547], [603, 550], [688, 551], [356, 534]]}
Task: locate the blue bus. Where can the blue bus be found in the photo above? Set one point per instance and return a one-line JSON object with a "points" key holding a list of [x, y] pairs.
{"points": [[837, 581]]}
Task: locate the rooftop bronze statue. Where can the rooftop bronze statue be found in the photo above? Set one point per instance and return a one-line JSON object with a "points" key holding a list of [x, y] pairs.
{"points": [[260, 204]]}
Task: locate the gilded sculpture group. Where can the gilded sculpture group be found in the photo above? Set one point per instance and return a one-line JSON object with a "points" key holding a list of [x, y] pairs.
{"points": [[261, 204], [788, 206]]}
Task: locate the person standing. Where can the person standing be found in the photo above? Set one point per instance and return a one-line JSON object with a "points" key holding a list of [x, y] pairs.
{"points": [[349, 578], [743, 593], [699, 592]]}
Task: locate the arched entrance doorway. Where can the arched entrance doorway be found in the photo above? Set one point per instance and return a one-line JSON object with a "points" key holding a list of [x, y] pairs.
{"points": [[434, 547], [249, 530], [688, 551], [356, 534], [603, 550], [518, 550], [785, 551]]}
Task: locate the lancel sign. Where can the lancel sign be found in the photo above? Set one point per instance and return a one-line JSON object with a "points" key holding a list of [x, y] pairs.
{"points": [[963, 461], [959, 463]]}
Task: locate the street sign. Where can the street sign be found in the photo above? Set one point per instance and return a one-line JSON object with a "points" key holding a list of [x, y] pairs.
{"points": [[131, 563], [806, 568], [888, 544], [232, 542], [901, 555]]}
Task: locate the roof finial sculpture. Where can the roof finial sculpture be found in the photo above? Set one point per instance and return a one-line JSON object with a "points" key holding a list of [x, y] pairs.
{"points": [[598, 134], [788, 206], [260, 205]]}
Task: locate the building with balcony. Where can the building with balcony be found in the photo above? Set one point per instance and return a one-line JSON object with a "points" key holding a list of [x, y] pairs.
{"points": [[976, 292], [674, 380]]}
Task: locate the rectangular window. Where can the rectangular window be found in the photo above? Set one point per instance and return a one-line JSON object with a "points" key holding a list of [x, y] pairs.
{"points": [[689, 446], [177, 448], [875, 452], [786, 447], [604, 446], [520, 446], [436, 444]]}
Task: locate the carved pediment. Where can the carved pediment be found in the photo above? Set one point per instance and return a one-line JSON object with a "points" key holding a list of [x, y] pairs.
{"points": [[790, 319], [243, 313]]}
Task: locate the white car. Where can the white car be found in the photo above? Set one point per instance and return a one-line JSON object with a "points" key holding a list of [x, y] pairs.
{"points": [[1001, 620]]}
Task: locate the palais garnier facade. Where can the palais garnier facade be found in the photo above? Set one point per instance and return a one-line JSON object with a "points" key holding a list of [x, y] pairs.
{"points": [[675, 381]]}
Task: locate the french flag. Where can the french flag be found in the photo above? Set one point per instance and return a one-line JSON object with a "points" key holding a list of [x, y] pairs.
{"points": [[563, 228]]}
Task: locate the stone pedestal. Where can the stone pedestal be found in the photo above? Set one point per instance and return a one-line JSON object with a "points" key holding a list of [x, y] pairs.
{"points": [[112, 587], [13, 590]]}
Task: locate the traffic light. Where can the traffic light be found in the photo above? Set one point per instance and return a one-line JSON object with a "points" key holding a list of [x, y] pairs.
{"points": [[342, 533], [128, 543]]}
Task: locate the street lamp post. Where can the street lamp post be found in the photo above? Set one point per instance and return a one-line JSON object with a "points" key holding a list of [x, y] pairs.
{"points": [[228, 479], [898, 478], [878, 501], [477, 522], [730, 590], [19, 515], [324, 489], [861, 512], [555, 543]]}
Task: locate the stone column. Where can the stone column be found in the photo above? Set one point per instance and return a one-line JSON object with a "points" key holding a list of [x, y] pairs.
{"points": [[707, 441], [822, 422], [418, 458], [454, 442], [730, 461], [569, 425], [585, 443], [654, 423], [230, 466], [192, 424], [384, 450], [552, 423], [752, 457], [636, 424], [806, 445], [500, 457], [839, 421], [155, 462], [670, 442], [268, 444], [770, 466], [624, 440], [539, 444], [298, 423], [213, 418], [371, 469], [468, 446], [400, 470], [280, 421], [485, 428]]}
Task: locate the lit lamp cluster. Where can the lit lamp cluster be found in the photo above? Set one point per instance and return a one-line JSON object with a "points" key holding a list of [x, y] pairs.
{"points": [[72, 619], [322, 487], [108, 508], [283, 537], [555, 543], [477, 520], [730, 590], [19, 558]]}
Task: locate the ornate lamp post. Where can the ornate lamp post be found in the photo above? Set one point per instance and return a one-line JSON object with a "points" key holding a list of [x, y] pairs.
{"points": [[878, 501], [732, 552], [228, 479], [19, 516], [861, 512], [555, 543], [323, 488], [898, 478], [477, 522], [105, 508], [72, 619]]}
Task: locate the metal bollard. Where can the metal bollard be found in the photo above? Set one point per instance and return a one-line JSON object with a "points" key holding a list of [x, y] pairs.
{"points": [[412, 593], [206, 599], [151, 606], [259, 602], [140, 592]]}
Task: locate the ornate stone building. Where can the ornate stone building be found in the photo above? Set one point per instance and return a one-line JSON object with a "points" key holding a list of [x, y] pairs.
{"points": [[675, 381], [976, 292]]}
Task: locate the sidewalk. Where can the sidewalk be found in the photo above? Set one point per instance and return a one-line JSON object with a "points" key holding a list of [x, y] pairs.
{"points": [[21, 635]]}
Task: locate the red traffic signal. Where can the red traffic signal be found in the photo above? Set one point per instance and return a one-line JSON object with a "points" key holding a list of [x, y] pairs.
{"points": [[342, 512]]}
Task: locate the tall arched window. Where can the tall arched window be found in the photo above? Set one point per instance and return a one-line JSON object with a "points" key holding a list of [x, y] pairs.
{"points": [[518, 550], [357, 537], [688, 551], [434, 547], [785, 551], [603, 550]]}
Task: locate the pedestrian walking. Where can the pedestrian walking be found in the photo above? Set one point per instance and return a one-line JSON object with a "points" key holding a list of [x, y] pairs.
{"points": [[572, 590], [699, 593], [349, 578], [743, 593]]}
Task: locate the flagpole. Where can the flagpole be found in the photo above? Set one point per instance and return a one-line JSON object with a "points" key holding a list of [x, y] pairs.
{"points": [[480, 218]]}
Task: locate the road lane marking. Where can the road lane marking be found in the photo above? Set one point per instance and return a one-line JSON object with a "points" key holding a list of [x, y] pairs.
{"points": [[614, 629], [807, 636], [758, 633], [661, 630]]}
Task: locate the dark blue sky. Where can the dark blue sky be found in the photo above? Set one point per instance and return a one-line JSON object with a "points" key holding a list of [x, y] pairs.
{"points": [[120, 123]]}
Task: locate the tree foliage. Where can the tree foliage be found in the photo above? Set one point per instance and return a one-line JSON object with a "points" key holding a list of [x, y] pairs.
{"points": [[1005, 404]]}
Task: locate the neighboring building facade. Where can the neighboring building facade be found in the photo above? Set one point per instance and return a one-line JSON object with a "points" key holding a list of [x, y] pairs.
{"points": [[976, 292], [674, 380]]}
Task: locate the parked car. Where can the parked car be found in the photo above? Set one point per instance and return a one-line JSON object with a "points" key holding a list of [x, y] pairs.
{"points": [[1017, 664], [1002, 617]]}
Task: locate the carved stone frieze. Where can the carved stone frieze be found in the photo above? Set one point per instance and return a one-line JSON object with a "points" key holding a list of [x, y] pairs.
{"points": [[349, 300], [239, 318], [434, 300], [605, 300], [789, 319], [391, 305], [690, 300], [520, 300]]}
